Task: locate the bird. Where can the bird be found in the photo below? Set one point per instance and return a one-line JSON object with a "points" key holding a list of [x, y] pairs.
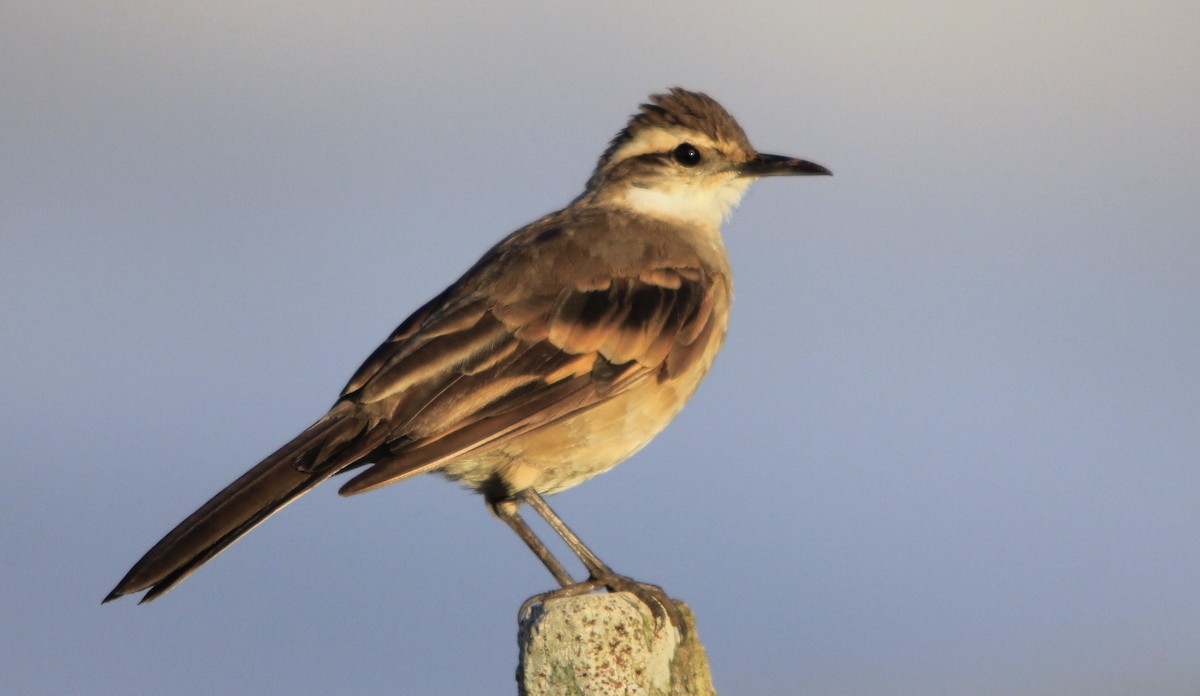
{"points": [[561, 352]]}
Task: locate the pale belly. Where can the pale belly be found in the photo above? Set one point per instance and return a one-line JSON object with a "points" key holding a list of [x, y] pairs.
{"points": [[569, 452]]}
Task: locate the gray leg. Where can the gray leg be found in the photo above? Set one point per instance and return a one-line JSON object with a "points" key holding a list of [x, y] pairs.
{"points": [[507, 511], [653, 596], [598, 568]]}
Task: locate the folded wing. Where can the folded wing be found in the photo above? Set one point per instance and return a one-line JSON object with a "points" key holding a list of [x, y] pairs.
{"points": [[485, 372]]}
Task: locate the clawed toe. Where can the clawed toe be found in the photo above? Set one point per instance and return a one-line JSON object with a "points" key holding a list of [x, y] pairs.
{"points": [[656, 598], [661, 606]]}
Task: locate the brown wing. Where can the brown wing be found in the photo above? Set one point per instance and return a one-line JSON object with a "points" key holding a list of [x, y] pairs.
{"points": [[485, 372]]}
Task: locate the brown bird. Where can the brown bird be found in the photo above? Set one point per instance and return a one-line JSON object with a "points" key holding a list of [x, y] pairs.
{"points": [[560, 353]]}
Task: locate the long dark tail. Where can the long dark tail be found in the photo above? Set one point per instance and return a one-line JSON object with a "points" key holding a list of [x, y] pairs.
{"points": [[337, 441]]}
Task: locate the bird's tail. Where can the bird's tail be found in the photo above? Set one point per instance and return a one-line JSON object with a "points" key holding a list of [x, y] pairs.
{"points": [[335, 442]]}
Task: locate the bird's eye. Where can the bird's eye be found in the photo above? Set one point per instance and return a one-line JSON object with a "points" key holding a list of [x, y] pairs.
{"points": [[687, 155]]}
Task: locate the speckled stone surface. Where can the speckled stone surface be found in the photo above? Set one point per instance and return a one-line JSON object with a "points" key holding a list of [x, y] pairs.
{"points": [[607, 645]]}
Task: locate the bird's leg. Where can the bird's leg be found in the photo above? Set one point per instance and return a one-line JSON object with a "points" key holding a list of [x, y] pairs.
{"points": [[507, 511], [653, 596], [596, 567]]}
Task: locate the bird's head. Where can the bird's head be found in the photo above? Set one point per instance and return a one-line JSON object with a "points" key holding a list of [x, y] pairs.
{"points": [[684, 158]]}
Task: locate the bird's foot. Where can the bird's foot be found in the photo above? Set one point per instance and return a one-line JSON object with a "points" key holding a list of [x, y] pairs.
{"points": [[574, 590], [661, 606], [656, 598]]}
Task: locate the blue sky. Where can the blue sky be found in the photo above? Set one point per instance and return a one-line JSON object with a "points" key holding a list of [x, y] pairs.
{"points": [[951, 445]]}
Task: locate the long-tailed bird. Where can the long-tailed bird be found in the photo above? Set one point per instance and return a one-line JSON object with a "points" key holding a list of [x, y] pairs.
{"points": [[560, 353]]}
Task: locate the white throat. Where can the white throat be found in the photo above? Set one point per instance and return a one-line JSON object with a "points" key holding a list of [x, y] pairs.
{"points": [[688, 204]]}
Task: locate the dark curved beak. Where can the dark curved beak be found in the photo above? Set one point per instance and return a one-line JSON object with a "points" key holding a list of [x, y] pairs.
{"points": [[776, 165]]}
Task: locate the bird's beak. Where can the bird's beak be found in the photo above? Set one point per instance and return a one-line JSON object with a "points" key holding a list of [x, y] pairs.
{"points": [[777, 165]]}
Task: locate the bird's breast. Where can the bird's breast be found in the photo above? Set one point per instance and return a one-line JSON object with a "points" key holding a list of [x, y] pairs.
{"points": [[583, 445]]}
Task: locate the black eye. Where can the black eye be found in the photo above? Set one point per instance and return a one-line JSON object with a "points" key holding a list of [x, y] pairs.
{"points": [[687, 155]]}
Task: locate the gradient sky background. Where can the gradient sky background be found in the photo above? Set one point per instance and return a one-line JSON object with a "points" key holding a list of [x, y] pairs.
{"points": [[951, 447]]}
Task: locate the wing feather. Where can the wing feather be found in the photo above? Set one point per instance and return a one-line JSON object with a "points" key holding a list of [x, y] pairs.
{"points": [[509, 368]]}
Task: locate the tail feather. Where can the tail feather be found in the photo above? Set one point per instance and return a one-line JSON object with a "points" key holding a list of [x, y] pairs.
{"points": [[337, 441]]}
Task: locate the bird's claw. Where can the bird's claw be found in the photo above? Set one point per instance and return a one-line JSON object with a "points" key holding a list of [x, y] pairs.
{"points": [[662, 607]]}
